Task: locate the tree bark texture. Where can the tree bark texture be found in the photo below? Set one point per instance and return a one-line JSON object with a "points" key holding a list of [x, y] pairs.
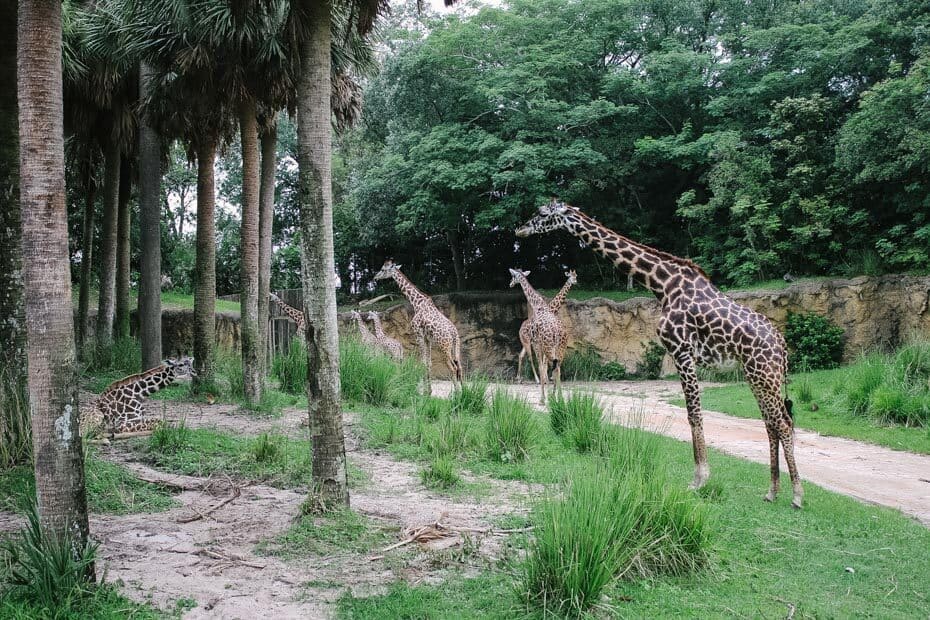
{"points": [[269, 146], [248, 239], [53, 396], [149, 233], [87, 260], [14, 431], [123, 253], [314, 137], [205, 273], [107, 277]]}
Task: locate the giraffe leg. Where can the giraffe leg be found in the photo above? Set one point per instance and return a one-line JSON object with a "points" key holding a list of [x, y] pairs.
{"points": [[689, 385], [543, 364], [786, 436], [773, 462], [557, 376], [425, 359]]}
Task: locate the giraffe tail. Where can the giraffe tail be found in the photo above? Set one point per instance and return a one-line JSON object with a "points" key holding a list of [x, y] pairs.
{"points": [[457, 360]]}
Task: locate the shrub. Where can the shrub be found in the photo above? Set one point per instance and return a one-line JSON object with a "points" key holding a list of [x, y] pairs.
{"points": [[585, 364], [291, 369], [511, 427], [440, 473], [370, 376], [650, 366], [469, 398], [46, 570], [619, 519], [814, 341]]}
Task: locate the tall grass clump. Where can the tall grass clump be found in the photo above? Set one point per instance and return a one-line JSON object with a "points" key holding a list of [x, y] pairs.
{"points": [[370, 376], [892, 388], [453, 435], [511, 427], [620, 519], [15, 427], [123, 356], [440, 473], [578, 419], [48, 571], [229, 373], [290, 369], [585, 364], [558, 413], [470, 398]]}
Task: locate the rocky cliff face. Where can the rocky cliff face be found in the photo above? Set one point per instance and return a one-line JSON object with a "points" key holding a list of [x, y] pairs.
{"points": [[873, 312]]}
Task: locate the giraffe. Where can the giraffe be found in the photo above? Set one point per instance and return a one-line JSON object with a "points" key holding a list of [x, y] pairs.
{"points": [[368, 339], [548, 336], [388, 344], [429, 324], [524, 332], [699, 325], [292, 313], [119, 408]]}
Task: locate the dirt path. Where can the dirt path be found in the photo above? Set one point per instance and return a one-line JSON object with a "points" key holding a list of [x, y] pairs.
{"points": [[869, 473]]}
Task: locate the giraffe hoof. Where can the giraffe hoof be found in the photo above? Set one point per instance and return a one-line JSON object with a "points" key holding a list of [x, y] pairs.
{"points": [[796, 503], [769, 497]]}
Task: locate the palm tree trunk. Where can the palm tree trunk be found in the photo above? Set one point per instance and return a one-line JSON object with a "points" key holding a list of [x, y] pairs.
{"points": [[87, 260], [59, 458], [107, 278], [14, 420], [149, 233], [265, 224], [121, 327], [314, 139], [248, 238], [205, 272]]}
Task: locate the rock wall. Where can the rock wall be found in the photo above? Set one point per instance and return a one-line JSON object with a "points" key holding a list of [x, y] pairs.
{"points": [[875, 312]]}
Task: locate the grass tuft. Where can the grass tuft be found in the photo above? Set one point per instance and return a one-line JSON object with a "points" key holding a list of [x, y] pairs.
{"points": [[15, 427], [440, 473], [291, 369], [511, 427], [585, 364], [370, 376], [470, 398], [580, 416]]}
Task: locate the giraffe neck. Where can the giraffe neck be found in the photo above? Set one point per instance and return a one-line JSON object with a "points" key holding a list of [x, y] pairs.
{"points": [[153, 380], [414, 295], [653, 268], [559, 299], [536, 301], [294, 313], [361, 326]]}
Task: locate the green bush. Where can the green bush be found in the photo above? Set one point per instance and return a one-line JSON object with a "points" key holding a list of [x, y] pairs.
{"points": [[814, 341], [291, 369], [620, 519], [440, 473], [470, 398], [585, 364], [650, 366], [369, 376], [511, 427]]}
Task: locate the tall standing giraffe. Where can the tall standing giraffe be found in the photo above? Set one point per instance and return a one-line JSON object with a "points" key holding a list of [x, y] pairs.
{"points": [[293, 314], [368, 339], [429, 324], [548, 337], [524, 332], [387, 344], [698, 325]]}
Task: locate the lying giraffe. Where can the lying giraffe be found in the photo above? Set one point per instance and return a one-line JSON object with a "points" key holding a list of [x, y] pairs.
{"points": [[524, 332], [368, 339], [292, 313], [698, 325], [429, 324], [548, 337], [119, 408], [388, 344]]}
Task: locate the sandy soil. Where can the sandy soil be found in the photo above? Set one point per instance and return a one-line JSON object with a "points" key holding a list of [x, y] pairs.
{"points": [[869, 473]]}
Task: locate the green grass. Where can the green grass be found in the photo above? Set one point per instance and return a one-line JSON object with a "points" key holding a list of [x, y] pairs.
{"points": [[370, 376], [111, 489], [440, 473], [830, 391], [511, 427], [470, 398], [763, 557], [170, 300], [322, 535], [204, 452]]}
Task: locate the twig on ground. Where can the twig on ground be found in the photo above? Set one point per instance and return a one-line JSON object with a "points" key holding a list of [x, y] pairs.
{"points": [[201, 515], [230, 559], [791, 608]]}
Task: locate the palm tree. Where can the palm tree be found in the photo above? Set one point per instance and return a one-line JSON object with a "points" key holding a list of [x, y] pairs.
{"points": [[269, 152], [13, 431], [123, 249], [59, 465]]}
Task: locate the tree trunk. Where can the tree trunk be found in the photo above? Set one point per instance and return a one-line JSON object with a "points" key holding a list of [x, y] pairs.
{"points": [[314, 139], [107, 277], [248, 239], [205, 272], [14, 419], [265, 225], [53, 394], [458, 265], [150, 234], [87, 260], [121, 327]]}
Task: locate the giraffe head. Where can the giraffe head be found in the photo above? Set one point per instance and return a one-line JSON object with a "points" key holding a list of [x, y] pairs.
{"points": [[552, 215], [373, 316], [516, 276], [355, 315], [388, 269], [572, 277], [181, 367]]}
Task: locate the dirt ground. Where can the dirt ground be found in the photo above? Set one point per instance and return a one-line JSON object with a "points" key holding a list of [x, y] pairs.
{"points": [[869, 473], [214, 561]]}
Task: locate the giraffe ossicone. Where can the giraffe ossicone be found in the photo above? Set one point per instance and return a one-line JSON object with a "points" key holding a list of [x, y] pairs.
{"points": [[699, 325]]}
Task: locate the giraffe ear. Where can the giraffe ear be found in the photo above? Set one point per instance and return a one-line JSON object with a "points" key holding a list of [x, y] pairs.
{"points": [[397, 266], [526, 273]]}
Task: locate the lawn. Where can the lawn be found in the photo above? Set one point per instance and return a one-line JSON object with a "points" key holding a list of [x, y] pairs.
{"points": [[170, 300], [832, 416]]}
